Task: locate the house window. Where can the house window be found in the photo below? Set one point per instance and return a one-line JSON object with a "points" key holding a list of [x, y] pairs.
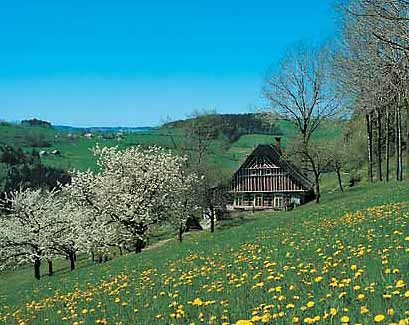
{"points": [[259, 200], [239, 200], [278, 202]]}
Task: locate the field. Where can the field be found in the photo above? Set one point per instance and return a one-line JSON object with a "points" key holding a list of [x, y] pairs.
{"points": [[76, 150], [344, 261]]}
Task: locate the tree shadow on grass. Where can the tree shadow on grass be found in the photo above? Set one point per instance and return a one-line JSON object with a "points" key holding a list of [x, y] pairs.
{"points": [[237, 221]]}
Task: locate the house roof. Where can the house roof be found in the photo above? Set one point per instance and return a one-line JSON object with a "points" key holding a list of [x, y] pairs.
{"points": [[278, 159]]}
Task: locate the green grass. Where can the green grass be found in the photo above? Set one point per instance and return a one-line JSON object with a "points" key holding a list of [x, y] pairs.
{"points": [[257, 268], [76, 153], [19, 136]]}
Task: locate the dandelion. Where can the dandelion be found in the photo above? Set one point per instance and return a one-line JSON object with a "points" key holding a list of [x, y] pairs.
{"points": [[379, 318], [345, 319], [310, 304], [244, 322]]}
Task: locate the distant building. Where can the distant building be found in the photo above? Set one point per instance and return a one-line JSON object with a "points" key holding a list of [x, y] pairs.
{"points": [[266, 180], [88, 135]]}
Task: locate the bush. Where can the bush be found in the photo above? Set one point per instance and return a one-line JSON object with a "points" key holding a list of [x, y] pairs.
{"points": [[22, 170], [37, 140], [36, 122]]}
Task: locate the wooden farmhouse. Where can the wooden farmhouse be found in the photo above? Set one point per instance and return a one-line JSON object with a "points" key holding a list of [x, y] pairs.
{"points": [[266, 180]]}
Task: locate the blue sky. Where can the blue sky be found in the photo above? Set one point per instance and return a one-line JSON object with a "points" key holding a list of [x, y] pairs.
{"points": [[139, 62]]}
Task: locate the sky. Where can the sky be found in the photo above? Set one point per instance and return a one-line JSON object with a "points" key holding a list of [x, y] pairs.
{"points": [[143, 62]]}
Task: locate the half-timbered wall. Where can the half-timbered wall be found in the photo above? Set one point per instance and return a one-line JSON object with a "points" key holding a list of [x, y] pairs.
{"points": [[261, 175]]}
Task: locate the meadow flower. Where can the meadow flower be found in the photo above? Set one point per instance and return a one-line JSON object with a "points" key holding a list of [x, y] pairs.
{"points": [[244, 322], [379, 318]]}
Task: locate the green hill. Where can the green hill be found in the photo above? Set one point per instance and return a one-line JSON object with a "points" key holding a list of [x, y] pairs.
{"points": [[344, 261], [76, 153]]}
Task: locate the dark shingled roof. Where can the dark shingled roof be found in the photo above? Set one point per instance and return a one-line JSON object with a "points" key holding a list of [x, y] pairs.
{"points": [[278, 159]]}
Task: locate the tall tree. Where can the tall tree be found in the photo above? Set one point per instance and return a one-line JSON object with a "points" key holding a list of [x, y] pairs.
{"points": [[301, 91]]}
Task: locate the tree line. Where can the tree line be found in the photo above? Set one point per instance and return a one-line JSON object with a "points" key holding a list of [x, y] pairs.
{"points": [[373, 66], [361, 76], [115, 208], [230, 126], [19, 169]]}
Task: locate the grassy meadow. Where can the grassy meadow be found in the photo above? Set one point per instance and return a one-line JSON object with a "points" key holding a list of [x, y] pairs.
{"points": [[76, 149], [344, 261]]}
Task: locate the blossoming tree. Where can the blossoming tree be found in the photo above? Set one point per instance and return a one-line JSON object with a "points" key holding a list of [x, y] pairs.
{"points": [[27, 228], [135, 189]]}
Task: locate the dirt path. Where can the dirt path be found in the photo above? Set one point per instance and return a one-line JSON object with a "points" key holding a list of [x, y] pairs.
{"points": [[158, 244]]}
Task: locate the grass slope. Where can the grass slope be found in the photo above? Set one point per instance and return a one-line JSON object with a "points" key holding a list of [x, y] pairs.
{"points": [[76, 153], [344, 261]]}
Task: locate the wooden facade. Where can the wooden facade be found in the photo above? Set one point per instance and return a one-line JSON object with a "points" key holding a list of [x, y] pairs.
{"points": [[267, 181]]}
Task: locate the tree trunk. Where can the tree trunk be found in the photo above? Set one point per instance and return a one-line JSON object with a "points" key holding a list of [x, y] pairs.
{"points": [[50, 267], [37, 264], [120, 250], [93, 256], [180, 234], [370, 159], [317, 188], [379, 144], [398, 141], [387, 144], [339, 179], [72, 261], [138, 246], [407, 138], [400, 144], [212, 221]]}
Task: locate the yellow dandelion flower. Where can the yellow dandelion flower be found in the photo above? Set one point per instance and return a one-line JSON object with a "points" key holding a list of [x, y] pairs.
{"points": [[310, 304], [318, 279], [379, 318], [197, 302], [345, 319], [244, 322]]}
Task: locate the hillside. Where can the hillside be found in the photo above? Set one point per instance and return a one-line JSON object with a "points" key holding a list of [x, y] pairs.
{"points": [[75, 148], [344, 261]]}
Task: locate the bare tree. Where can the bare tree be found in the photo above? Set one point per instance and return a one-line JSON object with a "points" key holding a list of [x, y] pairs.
{"points": [[302, 92], [374, 64], [199, 133]]}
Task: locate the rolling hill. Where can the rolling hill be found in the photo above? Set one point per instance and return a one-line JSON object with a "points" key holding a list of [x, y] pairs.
{"points": [[75, 148], [342, 262]]}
